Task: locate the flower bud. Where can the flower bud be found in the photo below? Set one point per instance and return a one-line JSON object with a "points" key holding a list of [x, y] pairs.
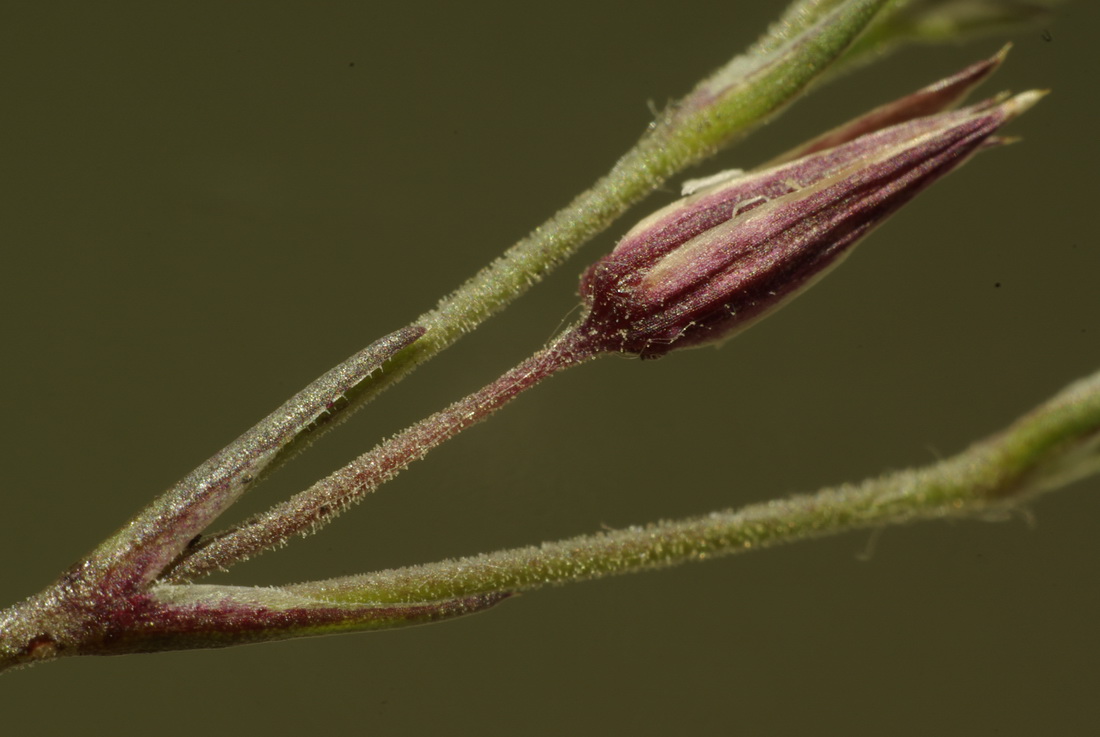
{"points": [[712, 263]]}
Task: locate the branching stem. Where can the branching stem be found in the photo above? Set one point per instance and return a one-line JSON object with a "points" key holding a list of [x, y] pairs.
{"points": [[316, 506]]}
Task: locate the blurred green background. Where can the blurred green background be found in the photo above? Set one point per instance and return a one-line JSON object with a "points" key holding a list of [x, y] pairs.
{"points": [[208, 204]]}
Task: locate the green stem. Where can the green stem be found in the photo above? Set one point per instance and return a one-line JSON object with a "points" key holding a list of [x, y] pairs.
{"points": [[308, 511], [1055, 444]]}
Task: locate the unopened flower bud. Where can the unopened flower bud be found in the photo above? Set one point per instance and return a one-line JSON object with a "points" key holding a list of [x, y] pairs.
{"points": [[712, 263]]}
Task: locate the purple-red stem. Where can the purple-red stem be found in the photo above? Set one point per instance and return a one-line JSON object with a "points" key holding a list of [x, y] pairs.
{"points": [[316, 506]]}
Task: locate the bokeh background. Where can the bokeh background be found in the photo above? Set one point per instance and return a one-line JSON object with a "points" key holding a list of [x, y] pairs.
{"points": [[208, 204]]}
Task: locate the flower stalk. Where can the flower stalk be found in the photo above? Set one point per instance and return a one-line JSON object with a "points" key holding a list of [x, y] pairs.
{"points": [[308, 511]]}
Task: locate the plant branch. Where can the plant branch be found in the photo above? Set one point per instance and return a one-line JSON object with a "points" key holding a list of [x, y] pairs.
{"points": [[318, 505], [140, 550], [1055, 444]]}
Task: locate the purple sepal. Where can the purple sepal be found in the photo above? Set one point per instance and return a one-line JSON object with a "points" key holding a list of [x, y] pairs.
{"points": [[711, 263], [934, 98]]}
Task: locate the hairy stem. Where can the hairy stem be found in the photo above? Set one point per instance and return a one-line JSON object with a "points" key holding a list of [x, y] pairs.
{"points": [[325, 500], [139, 551], [1055, 444]]}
